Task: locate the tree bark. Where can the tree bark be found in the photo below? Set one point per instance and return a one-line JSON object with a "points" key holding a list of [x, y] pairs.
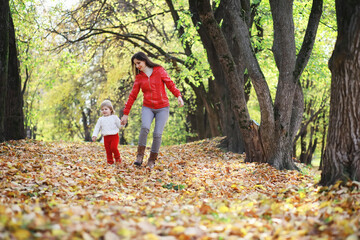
{"points": [[218, 93], [14, 118], [323, 140], [341, 161], [233, 81], [4, 61], [272, 141], [205, 102]]}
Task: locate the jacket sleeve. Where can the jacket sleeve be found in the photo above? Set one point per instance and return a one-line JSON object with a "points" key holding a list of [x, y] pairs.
{"points": [[169, 83], [132, 97], [97, 128]]}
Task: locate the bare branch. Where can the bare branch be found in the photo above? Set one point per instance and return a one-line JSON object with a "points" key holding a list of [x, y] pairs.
{"points": [[309, 38]]}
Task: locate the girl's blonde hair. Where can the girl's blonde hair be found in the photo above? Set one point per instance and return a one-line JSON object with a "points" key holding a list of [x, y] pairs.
{"points": [[108, 104]]}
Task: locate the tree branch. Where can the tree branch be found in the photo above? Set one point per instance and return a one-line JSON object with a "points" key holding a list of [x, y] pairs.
{"points": [[309, 38], [181, 30]]}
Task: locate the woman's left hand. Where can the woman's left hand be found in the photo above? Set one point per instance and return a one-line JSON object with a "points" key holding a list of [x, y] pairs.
{"points": [[180, 101]]}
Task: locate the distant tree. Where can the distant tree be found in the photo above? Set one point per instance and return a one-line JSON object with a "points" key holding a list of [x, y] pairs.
{"points": [[29, 42], [316, 81], [11, 101], [341, 160]]}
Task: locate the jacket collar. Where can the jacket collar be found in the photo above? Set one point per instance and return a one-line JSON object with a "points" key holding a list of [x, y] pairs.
{"points": [[155, 69]]}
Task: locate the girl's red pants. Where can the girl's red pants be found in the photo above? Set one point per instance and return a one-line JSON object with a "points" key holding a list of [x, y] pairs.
{"points": [[111, 143]]}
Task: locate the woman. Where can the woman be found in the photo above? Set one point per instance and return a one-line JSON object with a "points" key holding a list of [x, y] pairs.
{"points": [[151, 78]]}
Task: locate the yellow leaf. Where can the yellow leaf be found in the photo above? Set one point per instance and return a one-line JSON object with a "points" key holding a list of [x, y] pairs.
{"points": [[325, 204], [250, 204], [97, 233], [223, 209], [22, 234], [275, 208], [124, 232], [147, 189], [130, 197], [260, 186], [58, 232], [177, 230], [339, 209], [241, 232], [151, 236], [302, 195]]}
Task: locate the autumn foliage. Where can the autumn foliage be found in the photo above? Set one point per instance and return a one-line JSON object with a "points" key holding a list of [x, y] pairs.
{"points": [[63, 190]]}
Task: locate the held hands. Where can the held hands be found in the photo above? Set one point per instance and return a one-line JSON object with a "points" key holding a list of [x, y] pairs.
{"points": [[93, 138], [124, 119], [180, 101]]}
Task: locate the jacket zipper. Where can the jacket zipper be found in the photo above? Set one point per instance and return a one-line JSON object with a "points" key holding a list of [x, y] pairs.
{"points": [[151, 93]]}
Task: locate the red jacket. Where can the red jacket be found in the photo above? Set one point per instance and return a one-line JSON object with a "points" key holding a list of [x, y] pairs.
{"points": [[153, 89]]}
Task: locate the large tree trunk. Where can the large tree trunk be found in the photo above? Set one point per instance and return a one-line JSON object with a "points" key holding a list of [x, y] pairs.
{"points": [[4, 59], [341, 160], [14, 119], [231, 75], [205, 121], [272, 142], [219, 92]]}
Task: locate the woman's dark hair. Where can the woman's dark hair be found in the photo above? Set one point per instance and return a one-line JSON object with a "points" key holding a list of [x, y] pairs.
{"points": [[142, 57]]}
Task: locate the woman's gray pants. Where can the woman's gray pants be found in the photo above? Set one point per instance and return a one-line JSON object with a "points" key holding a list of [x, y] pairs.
{"points": [[161, 116]]}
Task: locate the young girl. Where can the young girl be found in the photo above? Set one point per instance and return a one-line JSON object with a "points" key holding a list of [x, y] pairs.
{"points": [[151, 78], [109, 124]]}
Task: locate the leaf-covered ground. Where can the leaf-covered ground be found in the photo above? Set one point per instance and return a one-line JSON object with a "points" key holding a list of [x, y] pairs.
{"points": [[65, 190]]}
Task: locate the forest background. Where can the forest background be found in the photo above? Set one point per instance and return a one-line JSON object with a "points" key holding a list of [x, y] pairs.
{"points": [[73, 58], [62, 95]]}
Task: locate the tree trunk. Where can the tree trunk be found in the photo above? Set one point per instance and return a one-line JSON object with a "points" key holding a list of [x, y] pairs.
{"points": [[206, 122], [14, 119], [303, 146], [272, 141], [307, 157], [219, 91], [4, 61], [323, 140], [341, 159], [86, 120], [231, 75]]}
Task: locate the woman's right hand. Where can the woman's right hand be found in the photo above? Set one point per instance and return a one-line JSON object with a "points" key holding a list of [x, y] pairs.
{"points": [[180, 101], [124, 119]]}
